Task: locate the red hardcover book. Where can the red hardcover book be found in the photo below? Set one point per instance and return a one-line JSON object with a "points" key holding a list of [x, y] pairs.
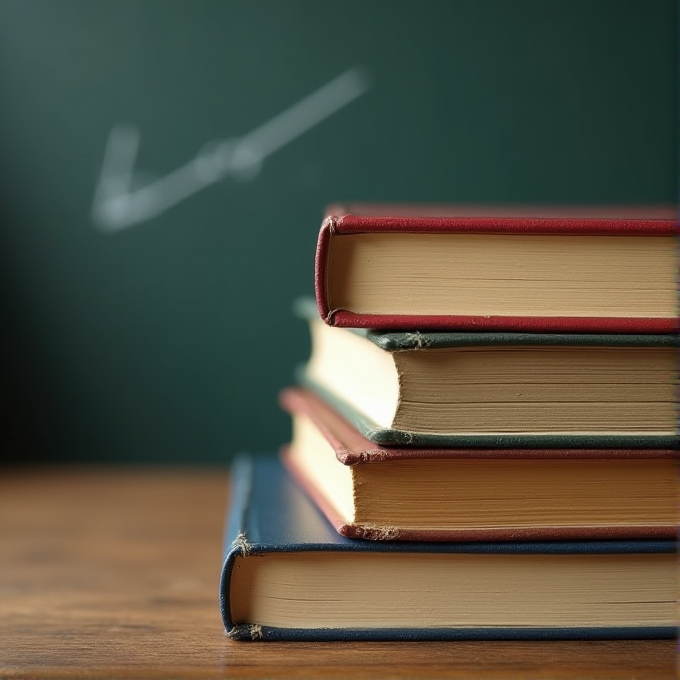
{"points": [[472, 494], [471, 268]]}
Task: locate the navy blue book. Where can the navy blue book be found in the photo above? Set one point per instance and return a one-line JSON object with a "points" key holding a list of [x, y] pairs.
{"points": [[288, 575]]}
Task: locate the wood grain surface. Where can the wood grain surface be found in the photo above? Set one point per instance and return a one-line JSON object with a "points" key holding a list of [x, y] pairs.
{"points": [[108, 573]]}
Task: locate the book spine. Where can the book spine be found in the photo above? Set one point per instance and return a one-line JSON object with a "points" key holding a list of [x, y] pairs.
{"points": [[320, 262], [237, 544]]}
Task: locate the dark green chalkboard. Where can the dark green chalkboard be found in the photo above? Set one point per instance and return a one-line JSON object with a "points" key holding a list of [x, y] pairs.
{"points": [[147, 317]]}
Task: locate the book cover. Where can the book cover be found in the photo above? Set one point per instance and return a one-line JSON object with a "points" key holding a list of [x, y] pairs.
{"points": [[575, 493], [527, 285], [271, 522]]}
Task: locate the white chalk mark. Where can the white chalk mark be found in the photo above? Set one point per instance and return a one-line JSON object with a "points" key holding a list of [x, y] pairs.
{"points": [[307, 113], [119, 203]]}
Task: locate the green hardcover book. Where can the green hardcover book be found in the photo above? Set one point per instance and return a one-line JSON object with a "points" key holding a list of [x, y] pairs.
{"points": [[497, 389]]}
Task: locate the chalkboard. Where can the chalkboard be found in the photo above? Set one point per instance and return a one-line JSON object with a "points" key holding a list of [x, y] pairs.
{"points": [[164, 166]]}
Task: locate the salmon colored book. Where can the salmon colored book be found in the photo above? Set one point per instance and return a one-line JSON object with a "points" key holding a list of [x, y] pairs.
{"points": [[485, 268]]}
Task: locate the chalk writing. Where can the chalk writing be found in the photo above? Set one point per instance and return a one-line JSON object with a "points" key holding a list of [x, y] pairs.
{"points": [[119, 201]]}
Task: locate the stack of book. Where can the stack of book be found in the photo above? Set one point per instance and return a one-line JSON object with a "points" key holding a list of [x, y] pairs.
{"points": [[495, 458]]}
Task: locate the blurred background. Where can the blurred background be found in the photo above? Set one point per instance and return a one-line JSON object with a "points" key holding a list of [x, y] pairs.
{"points": [[164, 166]]}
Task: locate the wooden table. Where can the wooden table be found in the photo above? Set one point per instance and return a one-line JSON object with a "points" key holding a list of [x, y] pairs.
{"points": [[113, 573]]}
